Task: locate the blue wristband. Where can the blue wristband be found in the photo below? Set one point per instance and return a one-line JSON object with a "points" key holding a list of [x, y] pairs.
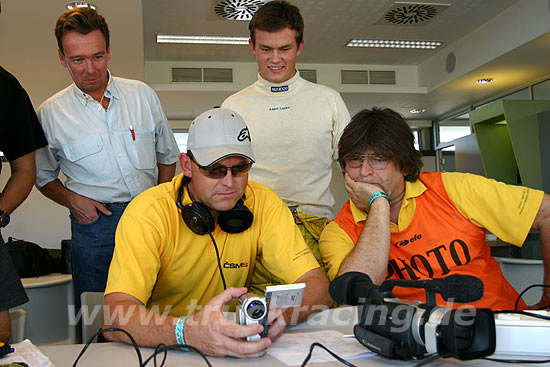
{"points": [[378, 194], [179, 330]]}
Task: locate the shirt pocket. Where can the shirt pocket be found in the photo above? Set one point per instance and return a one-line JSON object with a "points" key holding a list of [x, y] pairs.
{"points": [[140, 148], [89, 161]]}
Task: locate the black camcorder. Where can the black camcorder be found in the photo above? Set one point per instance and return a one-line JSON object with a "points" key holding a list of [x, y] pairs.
{"points": [[407, 330]]}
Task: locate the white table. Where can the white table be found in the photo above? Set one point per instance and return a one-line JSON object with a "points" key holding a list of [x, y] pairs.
{"points": [[48, 319], [123, 355], [341, 319]]}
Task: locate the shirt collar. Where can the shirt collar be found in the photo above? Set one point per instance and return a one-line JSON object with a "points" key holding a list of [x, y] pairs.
{"points": [[269, 87], [412, 190], [110, 92]]}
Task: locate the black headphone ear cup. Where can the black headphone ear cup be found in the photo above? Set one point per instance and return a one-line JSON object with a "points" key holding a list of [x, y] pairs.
{"points": [[198, 218], [236, 220]]}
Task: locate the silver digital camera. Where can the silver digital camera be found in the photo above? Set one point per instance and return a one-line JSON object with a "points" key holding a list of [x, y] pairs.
{"points": [[252, 310]]}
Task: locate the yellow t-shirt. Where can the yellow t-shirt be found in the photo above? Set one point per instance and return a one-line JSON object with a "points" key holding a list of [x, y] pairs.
{"points": [[507, 211], [161, 262]]}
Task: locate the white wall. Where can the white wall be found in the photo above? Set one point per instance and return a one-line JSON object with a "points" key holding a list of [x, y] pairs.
{"points": [[28, 50], [515, 26], [38, 219]]}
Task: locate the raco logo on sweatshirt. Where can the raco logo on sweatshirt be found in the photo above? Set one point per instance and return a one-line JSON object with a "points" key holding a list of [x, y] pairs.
{"points": [[282, 88]]}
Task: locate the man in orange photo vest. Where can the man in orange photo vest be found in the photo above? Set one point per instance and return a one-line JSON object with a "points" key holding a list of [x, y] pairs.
{"points": [[403, 224]]}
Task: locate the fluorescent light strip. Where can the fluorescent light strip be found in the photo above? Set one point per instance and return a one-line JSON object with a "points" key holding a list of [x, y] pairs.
{"points": [[394, 43], [213, 40]]}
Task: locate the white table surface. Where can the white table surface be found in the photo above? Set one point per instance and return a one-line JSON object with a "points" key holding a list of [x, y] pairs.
{"points": [[48, 280], [341, 319], [123, 355]]}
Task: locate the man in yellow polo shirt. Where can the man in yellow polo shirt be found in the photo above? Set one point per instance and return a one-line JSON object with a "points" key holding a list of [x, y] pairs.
{"points": [[186, 248], [403, 224]]}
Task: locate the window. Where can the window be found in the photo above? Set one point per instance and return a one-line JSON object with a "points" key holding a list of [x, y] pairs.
{"points": [[453, 128], [542, 90], [450, 133], [181, 140], [416, 144]]}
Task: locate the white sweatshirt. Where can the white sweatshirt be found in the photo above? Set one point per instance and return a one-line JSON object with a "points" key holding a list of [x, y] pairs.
{"points": [[295, 127]]}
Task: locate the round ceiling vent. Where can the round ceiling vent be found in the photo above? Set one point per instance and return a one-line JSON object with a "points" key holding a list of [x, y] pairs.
{"points": [[450, 62], [411, 14], [238, 9]]}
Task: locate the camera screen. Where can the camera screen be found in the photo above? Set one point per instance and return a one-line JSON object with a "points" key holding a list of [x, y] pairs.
{"points": [[255, 309]]}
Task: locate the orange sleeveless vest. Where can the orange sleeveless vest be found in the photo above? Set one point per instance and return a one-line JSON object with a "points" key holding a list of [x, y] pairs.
{"points": [[440, 242]]}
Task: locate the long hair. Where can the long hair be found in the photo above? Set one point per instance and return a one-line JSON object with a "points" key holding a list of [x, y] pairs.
{"points": [[385, 133]]}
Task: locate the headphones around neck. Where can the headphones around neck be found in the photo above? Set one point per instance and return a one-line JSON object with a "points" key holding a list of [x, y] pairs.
{"points": [[198, 218]]}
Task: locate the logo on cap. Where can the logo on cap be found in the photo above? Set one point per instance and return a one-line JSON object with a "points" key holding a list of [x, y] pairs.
{"points": [[243, 135]]}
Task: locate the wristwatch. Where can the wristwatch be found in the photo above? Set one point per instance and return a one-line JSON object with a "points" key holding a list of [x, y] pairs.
{"points": [[4, 219]]}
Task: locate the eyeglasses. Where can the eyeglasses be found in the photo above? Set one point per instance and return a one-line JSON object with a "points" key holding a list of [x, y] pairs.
{"points": [[375, 161], [217, 172]]}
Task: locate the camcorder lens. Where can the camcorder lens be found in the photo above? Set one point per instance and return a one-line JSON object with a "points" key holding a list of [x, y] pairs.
{"points": [[255, 309]]}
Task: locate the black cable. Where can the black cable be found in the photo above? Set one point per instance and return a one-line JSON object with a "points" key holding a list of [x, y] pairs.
{"points": [[340, 359], [184, 182], [157, 351], [161, 348], [517, 360], [526, 289], [219, 262], [165, 348], [101, 331]]}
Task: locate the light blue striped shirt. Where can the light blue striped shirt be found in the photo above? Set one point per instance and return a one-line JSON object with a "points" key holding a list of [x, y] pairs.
{"points": [[96, 149]]}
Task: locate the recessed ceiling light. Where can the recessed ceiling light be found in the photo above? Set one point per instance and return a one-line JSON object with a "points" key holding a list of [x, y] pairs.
{"points": [[79, 4], [417, 110], [430, 45], [485, 80], [213, 40]]}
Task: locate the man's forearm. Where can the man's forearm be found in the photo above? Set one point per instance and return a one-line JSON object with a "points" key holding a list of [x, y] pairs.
{"points": [[5, 326], [545, 248], [542, 224], [165, 172], [19, 185], [148, 328], [316, 297], [371, 252], [544, 228], [57, 192]]}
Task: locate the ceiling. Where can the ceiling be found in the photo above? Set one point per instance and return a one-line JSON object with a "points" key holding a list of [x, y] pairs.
{"points": [[330, 24]]}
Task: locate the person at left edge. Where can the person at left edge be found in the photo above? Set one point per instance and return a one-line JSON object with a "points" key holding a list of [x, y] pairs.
{"points": [[164, 271], [110, 138], [20, 136]]}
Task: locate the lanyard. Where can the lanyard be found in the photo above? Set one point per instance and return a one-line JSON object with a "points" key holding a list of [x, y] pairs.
{"points": [[100, 103]]}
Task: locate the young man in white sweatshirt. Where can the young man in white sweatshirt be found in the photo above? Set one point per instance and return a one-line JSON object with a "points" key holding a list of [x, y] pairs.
{"points": [[295, 124]]}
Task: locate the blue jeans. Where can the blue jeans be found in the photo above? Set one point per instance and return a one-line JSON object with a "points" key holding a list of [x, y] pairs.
{"points": [[92, 246]]}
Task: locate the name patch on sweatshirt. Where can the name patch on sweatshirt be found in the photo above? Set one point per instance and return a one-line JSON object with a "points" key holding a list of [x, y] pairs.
{"points": [[281, 108], [282, 88]]}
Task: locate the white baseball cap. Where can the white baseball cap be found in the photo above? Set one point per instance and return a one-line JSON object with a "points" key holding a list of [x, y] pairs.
{"points": [[217, 134]]}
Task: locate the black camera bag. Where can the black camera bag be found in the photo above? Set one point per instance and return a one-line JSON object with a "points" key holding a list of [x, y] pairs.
{"points": [[29, 259]]}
